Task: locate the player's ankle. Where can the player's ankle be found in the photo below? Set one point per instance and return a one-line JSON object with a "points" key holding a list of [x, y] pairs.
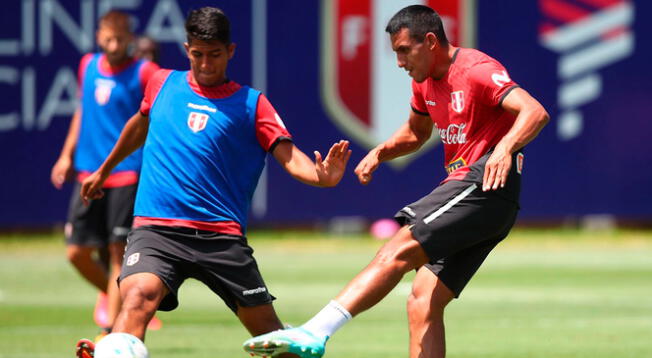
{"points": [[325, 323]]}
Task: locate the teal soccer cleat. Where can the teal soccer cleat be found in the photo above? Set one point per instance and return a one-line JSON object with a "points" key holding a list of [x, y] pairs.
{"points": [[293, 340]]}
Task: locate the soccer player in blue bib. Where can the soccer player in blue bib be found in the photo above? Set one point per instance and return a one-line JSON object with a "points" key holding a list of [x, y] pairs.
{"points": [[205, 141], [111, 87]]}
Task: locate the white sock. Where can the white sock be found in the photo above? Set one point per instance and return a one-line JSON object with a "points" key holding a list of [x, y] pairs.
{"points": [[325, 323]]}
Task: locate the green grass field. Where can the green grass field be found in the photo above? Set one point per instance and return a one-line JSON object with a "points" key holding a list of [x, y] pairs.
{"points": [[543, 293]]}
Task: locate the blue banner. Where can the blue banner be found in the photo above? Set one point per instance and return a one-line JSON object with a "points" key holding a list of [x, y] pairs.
{"points": [[328, 70]]}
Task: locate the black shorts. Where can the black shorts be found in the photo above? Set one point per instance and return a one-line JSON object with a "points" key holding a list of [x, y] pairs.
{"points": [[104, 220], [457, 225], [224, 263]]}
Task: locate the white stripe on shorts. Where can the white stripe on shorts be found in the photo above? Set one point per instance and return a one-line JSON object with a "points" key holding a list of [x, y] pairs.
{"points": [[428, 219]]}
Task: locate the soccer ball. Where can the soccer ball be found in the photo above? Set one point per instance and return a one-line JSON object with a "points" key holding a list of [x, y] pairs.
{"points": [[120, 345]]}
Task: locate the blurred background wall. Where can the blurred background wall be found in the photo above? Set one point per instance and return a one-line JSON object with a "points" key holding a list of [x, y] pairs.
{"points": [[328, 69]]}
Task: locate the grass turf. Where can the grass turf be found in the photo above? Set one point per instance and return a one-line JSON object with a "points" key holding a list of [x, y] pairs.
{"points": [[542, 293]]}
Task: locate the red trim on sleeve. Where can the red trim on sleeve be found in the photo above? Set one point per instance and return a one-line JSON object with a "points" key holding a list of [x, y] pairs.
{"points": [[152, 89], [81, 72], [269, 126], [115, 180], [147, 71], [223, 227]]}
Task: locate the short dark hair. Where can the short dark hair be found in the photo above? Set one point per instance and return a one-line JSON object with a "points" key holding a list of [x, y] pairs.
{"points": [[117, 20], [208, 24], [419, 20]]}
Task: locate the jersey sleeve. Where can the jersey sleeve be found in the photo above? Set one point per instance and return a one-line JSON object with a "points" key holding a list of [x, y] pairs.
{"points": [[147, 70], [270, 129], [151, 90], [81, 72], [491, 83], [417, 102]]}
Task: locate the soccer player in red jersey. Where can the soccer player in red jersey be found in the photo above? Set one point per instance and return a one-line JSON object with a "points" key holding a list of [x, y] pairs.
{"points": [[205, 139], [110, 83], [484, 120]]}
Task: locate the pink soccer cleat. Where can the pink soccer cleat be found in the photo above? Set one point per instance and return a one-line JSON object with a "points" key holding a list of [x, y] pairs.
{"points": [[101, 313], [155, 324]]}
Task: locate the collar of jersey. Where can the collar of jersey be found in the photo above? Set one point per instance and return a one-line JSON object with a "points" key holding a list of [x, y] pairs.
{"points": [[222, 91]]}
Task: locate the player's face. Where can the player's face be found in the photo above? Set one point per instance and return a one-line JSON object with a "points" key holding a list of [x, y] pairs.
{"points": [[413, 56], [208, 61], [114, 41], [146, 49]]}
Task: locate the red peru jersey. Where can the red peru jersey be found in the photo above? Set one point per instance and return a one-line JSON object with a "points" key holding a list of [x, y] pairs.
{"points": [[465, 106]]}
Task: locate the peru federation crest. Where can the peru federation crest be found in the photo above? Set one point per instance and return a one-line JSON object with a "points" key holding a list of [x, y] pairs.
{"points": [[197, 121], [366, 94], [103, 90], [457, 101]]}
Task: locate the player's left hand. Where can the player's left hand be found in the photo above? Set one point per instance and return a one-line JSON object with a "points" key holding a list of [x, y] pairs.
{"points": [[330, 170], [497, 169]]}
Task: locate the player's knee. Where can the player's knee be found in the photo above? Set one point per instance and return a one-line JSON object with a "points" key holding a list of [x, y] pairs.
{"points": [[78, 254], [388, 259], [426, 306], [116, 253], [415, 305], [429, 296], [138, 298], [403, 256], [135, 305]]}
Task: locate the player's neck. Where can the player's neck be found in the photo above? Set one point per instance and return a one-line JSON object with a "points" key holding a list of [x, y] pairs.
{"points": [[441, 68], [117, 63], [111, 68], [217, 83]]}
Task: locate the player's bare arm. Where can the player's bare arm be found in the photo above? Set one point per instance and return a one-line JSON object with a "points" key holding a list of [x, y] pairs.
{"points": [[322, 172], [63, 168], [531, 117], [407, 139], [132, 137]]}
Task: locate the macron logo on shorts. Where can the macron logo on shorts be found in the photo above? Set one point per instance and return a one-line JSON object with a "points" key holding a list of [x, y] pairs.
{"points": [[254, 291], [133, 259], [408, 210], [120, 231]]}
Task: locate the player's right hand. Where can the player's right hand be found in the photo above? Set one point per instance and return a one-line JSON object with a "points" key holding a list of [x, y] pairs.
{"points": [[61, 172], [367, 166], [91, 187]]}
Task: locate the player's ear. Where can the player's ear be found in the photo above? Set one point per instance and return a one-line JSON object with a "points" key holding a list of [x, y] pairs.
{"points": [[98, 37], [187, 47], [431, 40], [231, 49]]}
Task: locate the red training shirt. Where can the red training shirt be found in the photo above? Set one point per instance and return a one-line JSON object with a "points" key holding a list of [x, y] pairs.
{"points": [[465, 106]]}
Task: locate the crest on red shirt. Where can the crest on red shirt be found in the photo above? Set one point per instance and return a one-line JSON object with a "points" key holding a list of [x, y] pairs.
{"points": [[197, 121], [365, 93], [457, 101]]}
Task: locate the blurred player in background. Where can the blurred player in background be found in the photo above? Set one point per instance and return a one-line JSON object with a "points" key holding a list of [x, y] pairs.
{"points": [[111, 86], [205, 142], [147, 48], [484, 120]]}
